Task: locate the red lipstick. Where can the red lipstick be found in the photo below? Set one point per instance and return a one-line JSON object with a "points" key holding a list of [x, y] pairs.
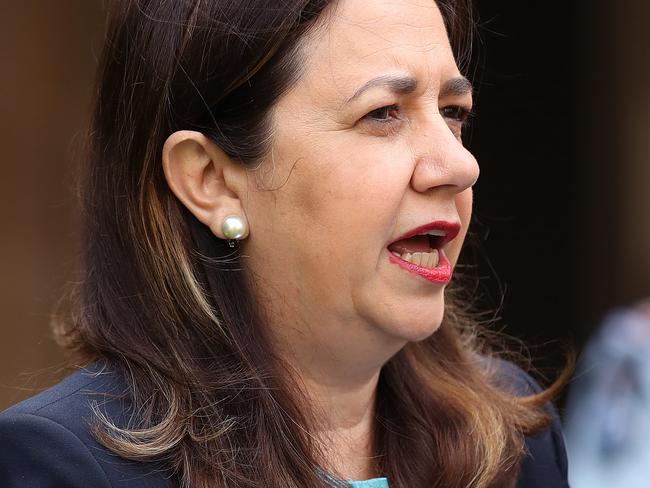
{"points": [[451, 228], [440, 274], [443, 271]]}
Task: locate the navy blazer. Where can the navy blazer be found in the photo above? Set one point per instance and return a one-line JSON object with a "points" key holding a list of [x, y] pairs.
{"points": [[45, 441]]}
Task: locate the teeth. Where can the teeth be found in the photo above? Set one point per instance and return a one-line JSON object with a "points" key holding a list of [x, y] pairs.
{"points": [[435, 232], [424, 259]]}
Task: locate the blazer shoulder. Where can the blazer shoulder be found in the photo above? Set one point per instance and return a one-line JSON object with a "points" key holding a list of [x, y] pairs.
{"points": [[545, 463], [510, 377], [39, 452], [48, 439], [72, 397]]}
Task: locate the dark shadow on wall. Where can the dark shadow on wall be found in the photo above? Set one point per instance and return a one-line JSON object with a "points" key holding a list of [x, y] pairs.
{"points": [[563, 195]]}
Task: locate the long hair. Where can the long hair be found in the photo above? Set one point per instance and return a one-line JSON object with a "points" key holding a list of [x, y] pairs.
{"points": [[165, 303]]}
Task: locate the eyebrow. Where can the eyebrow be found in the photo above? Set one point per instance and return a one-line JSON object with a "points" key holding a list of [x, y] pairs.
{"points": [[456, 87], [403, 85], [400, 85]]}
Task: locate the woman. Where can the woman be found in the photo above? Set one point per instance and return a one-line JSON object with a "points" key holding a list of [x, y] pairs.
{"points": [[275, 202]]}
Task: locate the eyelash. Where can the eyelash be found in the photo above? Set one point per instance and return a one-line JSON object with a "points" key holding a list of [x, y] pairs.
{"points": [[462, 114]]}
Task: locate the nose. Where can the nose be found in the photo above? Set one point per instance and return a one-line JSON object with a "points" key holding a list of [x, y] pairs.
{"points": [[442, 160]]}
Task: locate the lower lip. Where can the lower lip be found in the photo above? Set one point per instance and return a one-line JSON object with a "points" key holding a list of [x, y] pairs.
{"points": [[439, 274]]}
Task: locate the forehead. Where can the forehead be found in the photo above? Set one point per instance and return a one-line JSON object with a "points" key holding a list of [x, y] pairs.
{"points": [[366, 38]]}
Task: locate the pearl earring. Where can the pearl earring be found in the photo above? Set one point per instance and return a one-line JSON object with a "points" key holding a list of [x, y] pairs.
{"points": [[233, 228]]}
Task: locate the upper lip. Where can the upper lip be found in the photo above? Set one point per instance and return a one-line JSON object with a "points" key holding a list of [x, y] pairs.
{"points": [[451, 228]]}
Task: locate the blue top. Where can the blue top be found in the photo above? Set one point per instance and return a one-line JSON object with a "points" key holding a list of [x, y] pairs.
{"points": [[373, 483], [46, 442]]}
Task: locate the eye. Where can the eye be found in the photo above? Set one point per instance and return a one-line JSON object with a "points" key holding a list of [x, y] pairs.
{"points": [[458, 118], [457, 113], [383, 114]]}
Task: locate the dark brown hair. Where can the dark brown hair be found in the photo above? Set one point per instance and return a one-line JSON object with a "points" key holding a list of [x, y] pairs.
{"points": [[163, 301]]}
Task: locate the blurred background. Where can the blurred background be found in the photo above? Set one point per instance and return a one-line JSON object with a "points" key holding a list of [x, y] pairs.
{"points": [[48, 51], [561, 134]]}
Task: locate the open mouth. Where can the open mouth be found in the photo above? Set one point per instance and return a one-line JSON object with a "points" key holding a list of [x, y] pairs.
{"points": [[421, 251]]}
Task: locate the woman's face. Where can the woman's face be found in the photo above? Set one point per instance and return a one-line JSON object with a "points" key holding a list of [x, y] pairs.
{"points": [[366, 147]]}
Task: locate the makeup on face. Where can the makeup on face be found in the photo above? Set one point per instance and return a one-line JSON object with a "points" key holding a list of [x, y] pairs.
{"points": [[421, 251], [366, 146]]}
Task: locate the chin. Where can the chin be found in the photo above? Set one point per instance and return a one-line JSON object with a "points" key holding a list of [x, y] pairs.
{"points": [[416, 322]]}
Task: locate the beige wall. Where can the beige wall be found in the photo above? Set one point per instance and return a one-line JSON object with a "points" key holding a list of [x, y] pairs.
{"points": [[48, 51]]}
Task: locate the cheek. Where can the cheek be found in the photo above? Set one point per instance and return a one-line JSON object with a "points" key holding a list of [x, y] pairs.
{"points": [[464, 202], [355, 195]]}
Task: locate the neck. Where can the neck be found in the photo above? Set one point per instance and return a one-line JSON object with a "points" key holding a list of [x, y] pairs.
{"points": [[337, 365], [345, 412], [342, 392]]}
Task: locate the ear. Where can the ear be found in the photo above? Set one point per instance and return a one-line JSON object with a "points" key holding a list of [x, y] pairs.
{"points": [[204, 178]]}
